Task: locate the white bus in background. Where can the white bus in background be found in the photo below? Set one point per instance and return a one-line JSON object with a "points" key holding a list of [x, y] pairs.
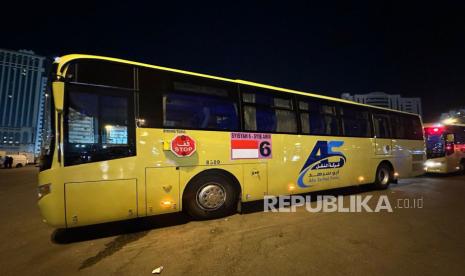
{"points": [[445, 148]]}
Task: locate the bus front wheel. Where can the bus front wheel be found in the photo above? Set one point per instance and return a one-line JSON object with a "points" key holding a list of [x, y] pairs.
{"points": [[384, 176], [210, 196]]}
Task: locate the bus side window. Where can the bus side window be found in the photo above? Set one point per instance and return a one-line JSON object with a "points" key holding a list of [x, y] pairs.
{"points": [[382, 126], [417, 128], [199, 112], [319, 117], [174, 100], [199, 103], [355, 121], [265, 111], [400, 128], [413, 127]]}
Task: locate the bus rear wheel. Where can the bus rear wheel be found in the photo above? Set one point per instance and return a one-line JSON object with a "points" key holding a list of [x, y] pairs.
{"points": [[209, 196], [384, 176]]}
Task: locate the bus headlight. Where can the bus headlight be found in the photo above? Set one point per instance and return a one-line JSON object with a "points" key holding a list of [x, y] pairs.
{"points": [[43, 190], [432, 164]]}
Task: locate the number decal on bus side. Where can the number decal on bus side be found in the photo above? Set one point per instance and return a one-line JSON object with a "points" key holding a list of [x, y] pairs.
{"points": [[213, 162], [265, 149]]}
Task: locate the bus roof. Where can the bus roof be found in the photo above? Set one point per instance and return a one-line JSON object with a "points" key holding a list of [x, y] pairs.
{"points": [[62, 61]]}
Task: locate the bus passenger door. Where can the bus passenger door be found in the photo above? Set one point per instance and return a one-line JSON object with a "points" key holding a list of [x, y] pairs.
{"points": [[383, 134]]}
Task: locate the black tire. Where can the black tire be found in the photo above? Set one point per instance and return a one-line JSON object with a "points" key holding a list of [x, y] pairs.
{"points": [[19, 165], [384, 176], [200, 204]]}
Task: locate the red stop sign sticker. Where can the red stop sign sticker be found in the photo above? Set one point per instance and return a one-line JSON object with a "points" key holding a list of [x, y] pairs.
{"points": [[183, 146]]}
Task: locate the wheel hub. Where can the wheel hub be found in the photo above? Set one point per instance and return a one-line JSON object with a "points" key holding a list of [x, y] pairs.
{"points": [[383, 176], [212, 196]]}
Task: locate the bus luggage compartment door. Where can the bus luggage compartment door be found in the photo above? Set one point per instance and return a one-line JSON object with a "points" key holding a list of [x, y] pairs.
{"points": [[100, 201], [162, 186], [255, 181]]}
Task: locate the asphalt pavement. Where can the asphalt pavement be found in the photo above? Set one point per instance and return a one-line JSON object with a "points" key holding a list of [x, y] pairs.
{"points": [[428, 238]]}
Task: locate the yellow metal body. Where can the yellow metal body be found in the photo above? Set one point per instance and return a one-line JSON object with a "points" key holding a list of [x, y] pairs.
{"points": [[153, 181]]}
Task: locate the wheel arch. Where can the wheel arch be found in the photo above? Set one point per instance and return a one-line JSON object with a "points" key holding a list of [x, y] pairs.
{"points": [[388, 163]]}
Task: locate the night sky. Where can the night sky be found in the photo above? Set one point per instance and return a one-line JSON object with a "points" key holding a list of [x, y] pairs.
{"points": [[415, 49]]}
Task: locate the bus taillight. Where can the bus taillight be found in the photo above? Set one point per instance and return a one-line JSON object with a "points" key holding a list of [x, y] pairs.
{"points": [[434, 130]]}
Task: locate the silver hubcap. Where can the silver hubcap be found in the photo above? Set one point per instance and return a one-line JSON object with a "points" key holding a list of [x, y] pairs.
{"points": [[211, 196], [383, 176]]}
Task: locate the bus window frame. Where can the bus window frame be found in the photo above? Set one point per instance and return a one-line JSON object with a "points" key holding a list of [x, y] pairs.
{"points": [[131, 128], [369, 119], [386, 115], [273, 93], [171, 78], [319, 101]]}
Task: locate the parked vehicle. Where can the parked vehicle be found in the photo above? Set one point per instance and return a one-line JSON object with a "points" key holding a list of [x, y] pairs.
{"points": [[19, 160]]}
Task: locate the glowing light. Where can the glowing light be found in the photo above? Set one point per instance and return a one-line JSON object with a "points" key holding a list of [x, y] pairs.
{"points": [[396, 174], [449, 121], [437, 130], [295, 158], [166, 203], [432, 164], [291, 187], [140, 121], [361, 178]]}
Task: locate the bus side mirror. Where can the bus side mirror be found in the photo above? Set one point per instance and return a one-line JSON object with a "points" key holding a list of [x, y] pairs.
{"points": [[450, 138], [58, 94]]}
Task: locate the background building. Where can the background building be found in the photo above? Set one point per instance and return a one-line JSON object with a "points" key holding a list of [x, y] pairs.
{"points": [[392, 101], [22, 96]]}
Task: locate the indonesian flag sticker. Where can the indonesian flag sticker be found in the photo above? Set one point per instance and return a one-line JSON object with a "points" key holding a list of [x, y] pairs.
{"points": [[244, 149], [250, 145]]}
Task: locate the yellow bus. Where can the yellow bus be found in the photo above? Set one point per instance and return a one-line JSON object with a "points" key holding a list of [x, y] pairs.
{"points": [[127, 140]]}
